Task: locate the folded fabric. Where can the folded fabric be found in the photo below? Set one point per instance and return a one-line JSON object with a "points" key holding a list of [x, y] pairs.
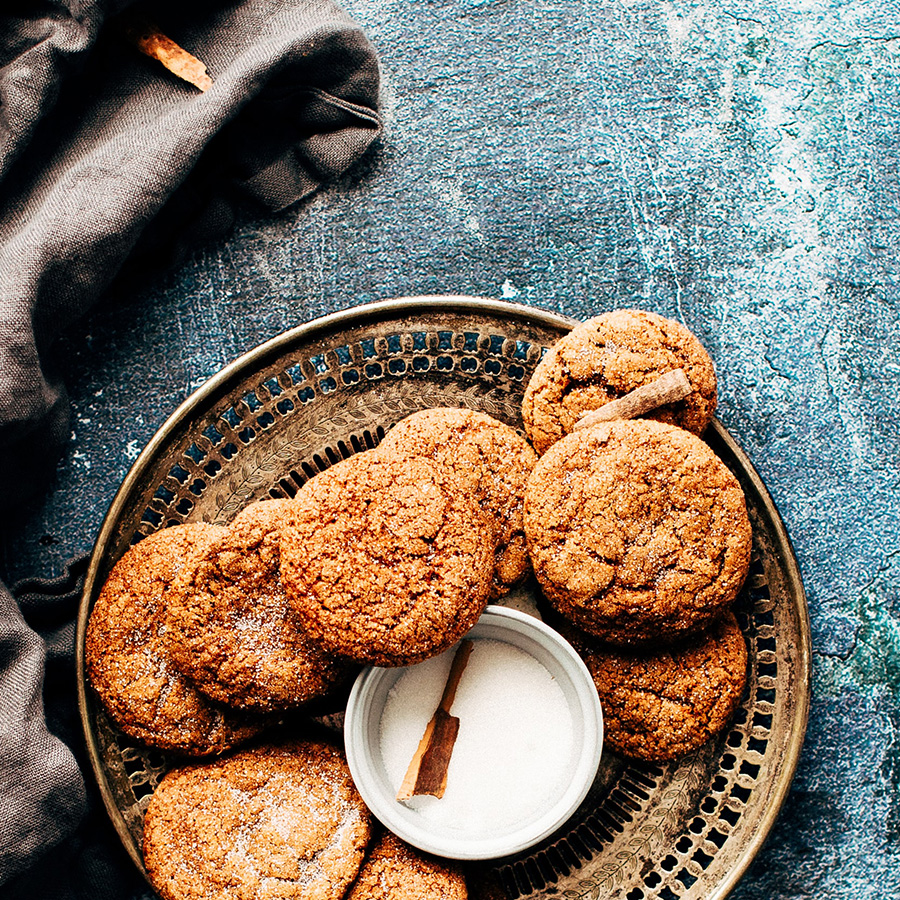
{"points": [[109, 162], [134, 164], [41, 790]]}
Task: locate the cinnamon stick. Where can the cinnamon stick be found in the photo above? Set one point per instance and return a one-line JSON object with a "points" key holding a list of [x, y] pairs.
{"points": [[668, 388], [427, 772], [153, 43]]}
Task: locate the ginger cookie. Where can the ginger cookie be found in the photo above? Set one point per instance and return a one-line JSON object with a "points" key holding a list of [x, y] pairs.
{"points": [[604, 358], [637, 532], [280, 820], [492, 462], [395, 871], [386, 561], [128, 656], [234, 633], [661, 704]]}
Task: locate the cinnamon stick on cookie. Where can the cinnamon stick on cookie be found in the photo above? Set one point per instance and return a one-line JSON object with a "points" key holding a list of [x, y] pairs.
{"points": [[670, 387]]}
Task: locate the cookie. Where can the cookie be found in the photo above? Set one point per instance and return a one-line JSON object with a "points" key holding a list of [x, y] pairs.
{"points": [[492, 462], [395, 871], [279, 820], [637, 532], [128, 656], [234, 634], [386, 561], [606, 357], [661, 704]]}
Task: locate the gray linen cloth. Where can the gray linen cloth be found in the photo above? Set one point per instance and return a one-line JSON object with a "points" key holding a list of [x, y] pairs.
{"points": [[110, 165]]}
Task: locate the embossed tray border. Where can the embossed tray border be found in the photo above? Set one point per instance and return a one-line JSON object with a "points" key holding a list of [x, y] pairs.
{"points": [[219, 385]]}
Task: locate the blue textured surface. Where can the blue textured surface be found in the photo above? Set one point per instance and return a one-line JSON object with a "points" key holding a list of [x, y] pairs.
{"points": [[735, 169]]}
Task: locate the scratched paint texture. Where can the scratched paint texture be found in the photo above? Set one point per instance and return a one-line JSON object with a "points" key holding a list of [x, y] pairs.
{"points": [[732, 166]]}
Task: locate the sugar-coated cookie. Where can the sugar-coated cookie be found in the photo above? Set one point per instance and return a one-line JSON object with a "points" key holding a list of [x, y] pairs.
{"points": [[637, 532], [386, 561], [607, 356], [661, 704], [395, 871], [234, 634], [129, 659], [492, 462], [280, 820]]}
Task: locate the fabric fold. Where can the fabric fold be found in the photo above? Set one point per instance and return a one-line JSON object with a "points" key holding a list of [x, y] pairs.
{"points": [[42, 795], [132, 160], [110, 165], [38, 49]]}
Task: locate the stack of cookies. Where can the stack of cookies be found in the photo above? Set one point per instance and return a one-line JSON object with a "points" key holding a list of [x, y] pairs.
{"points": [[204, 635], [638, 533], [390, 557]]}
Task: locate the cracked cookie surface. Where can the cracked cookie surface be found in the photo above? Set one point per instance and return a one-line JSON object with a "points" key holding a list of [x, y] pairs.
{"points": [[129, 660], [395, 871], [637, 532], [604, 358], [662, 704], [280, 821], [492, 462], [386, 561], [232, 630]]}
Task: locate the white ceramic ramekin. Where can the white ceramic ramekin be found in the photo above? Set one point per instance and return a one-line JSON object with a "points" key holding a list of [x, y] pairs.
{"points": [[362, 737]]}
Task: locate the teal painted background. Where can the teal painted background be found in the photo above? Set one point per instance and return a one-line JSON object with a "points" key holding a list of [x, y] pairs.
{"points": [[731, 166]]}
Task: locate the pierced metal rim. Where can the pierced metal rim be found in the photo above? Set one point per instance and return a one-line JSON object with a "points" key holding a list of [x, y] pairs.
{"points": [[797, 592], [218, 383]]}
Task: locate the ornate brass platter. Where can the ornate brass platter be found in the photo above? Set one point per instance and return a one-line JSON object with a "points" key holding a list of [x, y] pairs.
{"points": [[318, 393]]}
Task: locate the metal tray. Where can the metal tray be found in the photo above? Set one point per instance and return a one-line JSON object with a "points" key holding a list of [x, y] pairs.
{"points": [[322, 391]]}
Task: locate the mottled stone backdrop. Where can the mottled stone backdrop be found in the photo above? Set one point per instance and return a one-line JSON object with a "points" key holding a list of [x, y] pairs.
{"points": [[732, 166]]}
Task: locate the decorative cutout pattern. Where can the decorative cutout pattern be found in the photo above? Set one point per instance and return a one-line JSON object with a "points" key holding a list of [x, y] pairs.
{"points": [[644, 831]]}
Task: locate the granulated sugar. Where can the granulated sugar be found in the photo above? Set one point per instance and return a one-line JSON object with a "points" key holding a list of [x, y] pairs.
{"points": [[513, 754]]}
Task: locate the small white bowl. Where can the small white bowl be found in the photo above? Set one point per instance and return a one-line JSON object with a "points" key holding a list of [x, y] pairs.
{"points": [[362, 734]]}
